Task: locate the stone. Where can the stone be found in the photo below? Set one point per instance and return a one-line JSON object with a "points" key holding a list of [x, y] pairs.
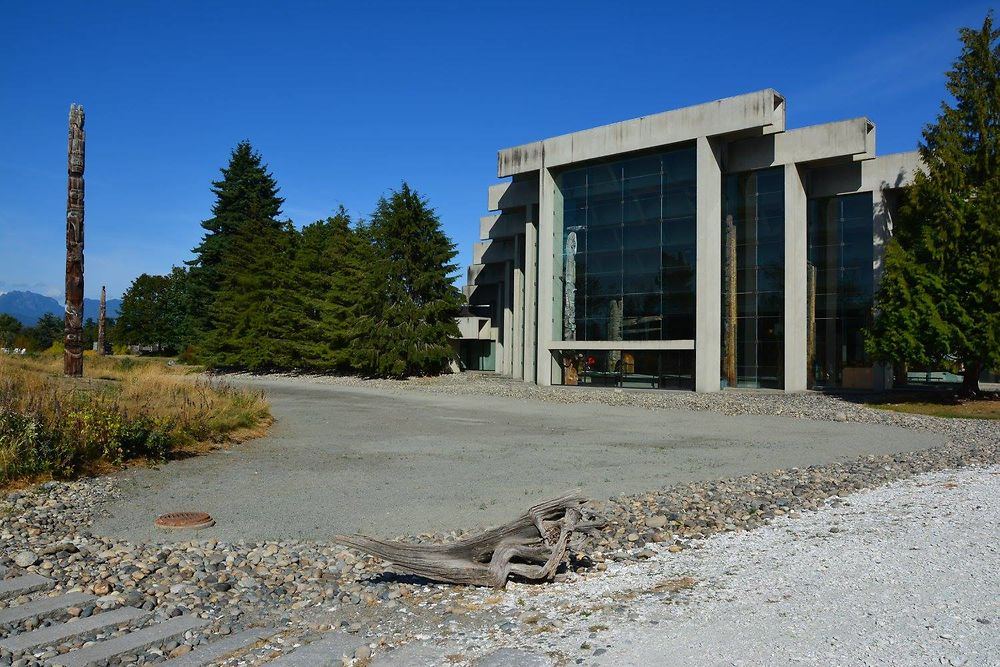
{"points": [[25, 558], [656, 521]]}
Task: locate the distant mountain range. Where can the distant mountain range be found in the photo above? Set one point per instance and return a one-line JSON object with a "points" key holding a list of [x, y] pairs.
{"points": [[29, 306]]}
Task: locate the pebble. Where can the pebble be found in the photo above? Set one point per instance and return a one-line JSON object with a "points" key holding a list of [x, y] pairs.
{"points": [[25, 558]]}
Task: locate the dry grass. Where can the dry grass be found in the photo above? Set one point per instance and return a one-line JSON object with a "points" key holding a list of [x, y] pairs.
{"points": [[980, 409], [123, 408]]}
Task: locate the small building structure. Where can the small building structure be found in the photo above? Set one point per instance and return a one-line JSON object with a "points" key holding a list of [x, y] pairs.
{"points": [[698, 248]]}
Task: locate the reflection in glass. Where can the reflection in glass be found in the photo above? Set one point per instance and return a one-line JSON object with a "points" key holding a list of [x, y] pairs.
{"points": [[753, 278], [628, 240], [840, 286]]}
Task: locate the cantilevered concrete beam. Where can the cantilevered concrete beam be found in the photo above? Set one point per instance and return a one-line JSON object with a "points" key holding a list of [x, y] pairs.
{"points": [[514, 194], [845, 141], [502, 226], [762, 112], [495, 250]]}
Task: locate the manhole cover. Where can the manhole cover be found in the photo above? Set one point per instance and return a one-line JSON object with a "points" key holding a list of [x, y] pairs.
{"points": [[185, 520]]}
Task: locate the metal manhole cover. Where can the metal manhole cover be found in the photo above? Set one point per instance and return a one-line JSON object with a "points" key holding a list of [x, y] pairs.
{"points": [[194, 520]]}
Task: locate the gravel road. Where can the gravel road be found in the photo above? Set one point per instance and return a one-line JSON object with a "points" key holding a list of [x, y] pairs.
{"points": [[905, 574], [396, 458]]}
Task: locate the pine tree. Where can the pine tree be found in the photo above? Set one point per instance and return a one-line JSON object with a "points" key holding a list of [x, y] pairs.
{"points": [[329, 274], [940, 295], [247, 193], [410, 303]]}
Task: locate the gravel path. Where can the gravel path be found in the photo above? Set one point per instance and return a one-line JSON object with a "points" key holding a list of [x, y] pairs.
{"points": [[902, 575]]}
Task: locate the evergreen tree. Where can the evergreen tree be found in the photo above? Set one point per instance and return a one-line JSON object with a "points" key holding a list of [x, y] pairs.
{"points": [[328, 274], [410, 303], [10, 328], [940, 295], [252, 315], [247, 193]]}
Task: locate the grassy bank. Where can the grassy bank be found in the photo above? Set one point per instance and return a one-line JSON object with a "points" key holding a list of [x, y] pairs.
{"points": [[980, 409], [123, 408]]}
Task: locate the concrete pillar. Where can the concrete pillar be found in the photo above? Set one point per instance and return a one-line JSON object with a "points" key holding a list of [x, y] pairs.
{"points": [[530, 294], [517, 350], [508, 319], [795, 279], [546, 230], [501, 324], [708, 272]]}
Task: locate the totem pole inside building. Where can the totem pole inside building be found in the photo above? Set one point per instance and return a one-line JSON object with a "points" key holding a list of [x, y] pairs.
{"points": [[73, 342]]}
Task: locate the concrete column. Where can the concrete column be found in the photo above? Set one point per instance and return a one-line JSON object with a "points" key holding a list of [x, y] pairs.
{"points": [[546, 231], [530, 294], [517, 350], [708, 271], [795, 279], [501, 324], [508, 318]]}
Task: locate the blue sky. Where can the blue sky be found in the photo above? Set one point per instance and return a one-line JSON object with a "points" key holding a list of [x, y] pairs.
{"points": [[345, 100]]}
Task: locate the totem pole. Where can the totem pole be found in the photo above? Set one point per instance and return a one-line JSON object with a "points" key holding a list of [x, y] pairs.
{"points": [[101, 314], [730, 305], [73, 343]]}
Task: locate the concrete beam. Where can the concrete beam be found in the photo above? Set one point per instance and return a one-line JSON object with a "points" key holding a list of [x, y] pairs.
{"points": [[846, 140], [513, 194], [502, 226], [491, 251], [885, 171], [762, 111]]}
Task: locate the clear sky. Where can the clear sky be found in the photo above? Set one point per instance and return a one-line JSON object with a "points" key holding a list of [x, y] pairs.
{"points": [[345, 100]]}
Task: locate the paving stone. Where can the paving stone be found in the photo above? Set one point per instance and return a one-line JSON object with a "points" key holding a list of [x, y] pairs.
{"points": [[211, 652], [28, 583], [42, 607], [326, 652], [56, 634], [132, 643]]}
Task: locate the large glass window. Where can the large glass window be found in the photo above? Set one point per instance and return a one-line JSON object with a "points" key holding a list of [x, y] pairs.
{"points": [[753, 278], [628, 249], [637, 369], [839, 287]]}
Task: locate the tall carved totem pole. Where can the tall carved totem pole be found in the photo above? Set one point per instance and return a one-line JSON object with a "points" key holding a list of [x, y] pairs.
{"points": [[73, 354], [101, 316]]}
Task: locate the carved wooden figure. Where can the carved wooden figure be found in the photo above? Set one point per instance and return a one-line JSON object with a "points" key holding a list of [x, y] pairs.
{"points": [[101, 316], [73, 354]]}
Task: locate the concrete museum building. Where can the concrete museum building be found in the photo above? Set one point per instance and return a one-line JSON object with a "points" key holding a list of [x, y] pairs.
{"points": [[698, 248]]}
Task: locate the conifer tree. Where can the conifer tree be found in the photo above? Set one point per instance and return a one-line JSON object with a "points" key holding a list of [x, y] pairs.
{"points": [[329, 274], [252, 314], [940, 294], [410, 303], [246, 193]]}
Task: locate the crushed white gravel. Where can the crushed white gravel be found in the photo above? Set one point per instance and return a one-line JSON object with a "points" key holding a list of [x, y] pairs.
{"points": [[906, 574]]}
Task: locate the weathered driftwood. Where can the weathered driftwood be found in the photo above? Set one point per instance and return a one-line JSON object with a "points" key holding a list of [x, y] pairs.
{"points": [[532, 546], [73, 341]]}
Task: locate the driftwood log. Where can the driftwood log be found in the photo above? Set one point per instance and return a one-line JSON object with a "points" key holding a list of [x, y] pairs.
{"points": [[532, 546]]}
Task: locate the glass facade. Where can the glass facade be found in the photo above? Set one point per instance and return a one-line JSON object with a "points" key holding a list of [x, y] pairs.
{"points": [[840, 286], [627, 250], [753, 278], [639, 369]]}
